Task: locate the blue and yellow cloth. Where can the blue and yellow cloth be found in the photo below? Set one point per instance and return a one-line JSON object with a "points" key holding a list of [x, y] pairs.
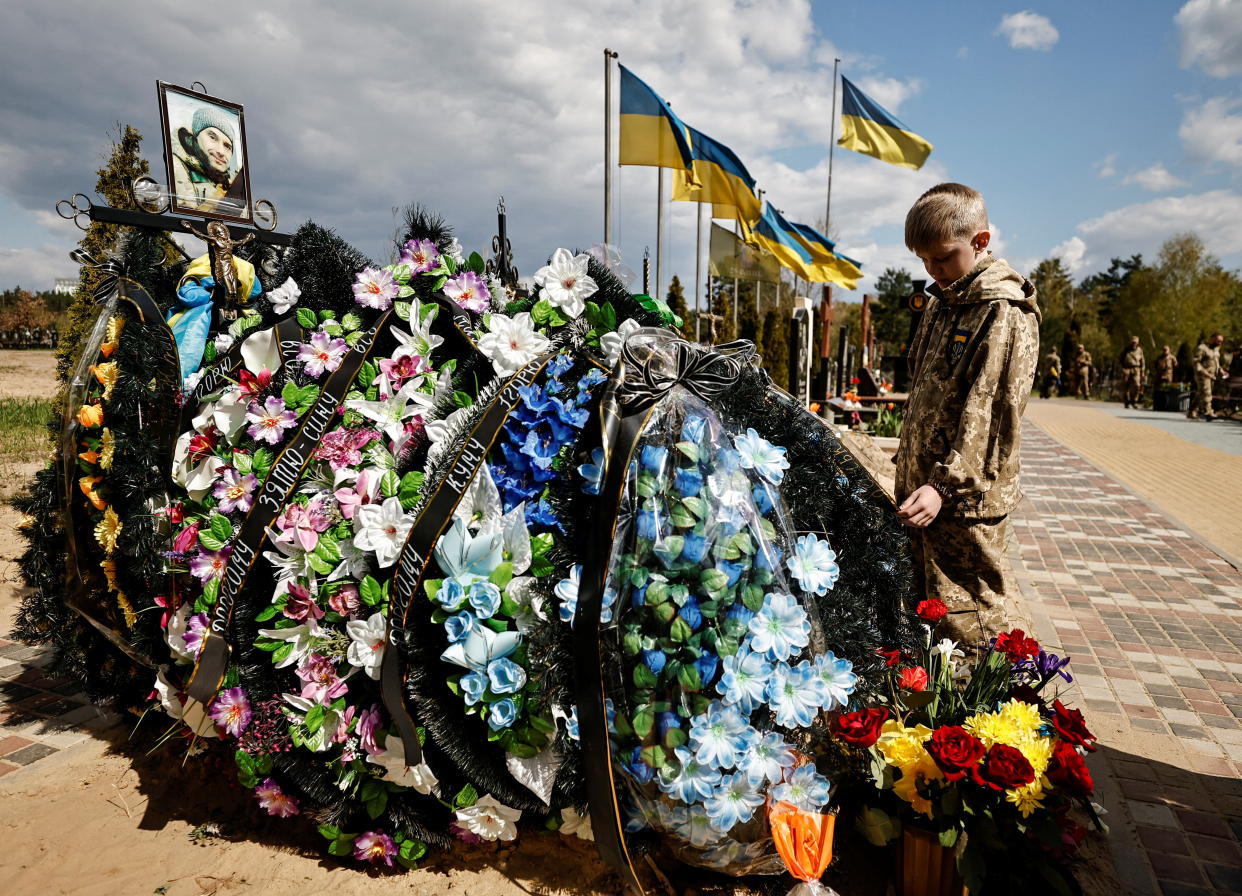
{"points": [[867, 128], [190, 321], [650, 133]]}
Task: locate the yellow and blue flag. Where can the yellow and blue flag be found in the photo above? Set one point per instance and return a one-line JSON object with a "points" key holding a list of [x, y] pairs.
{"points": [[721, 178], [773, 234], [833, 266], [868, 129], [650, 133]]}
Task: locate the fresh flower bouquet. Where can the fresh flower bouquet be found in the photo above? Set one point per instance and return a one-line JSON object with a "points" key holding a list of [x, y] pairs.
{"points": [[985, 756]]}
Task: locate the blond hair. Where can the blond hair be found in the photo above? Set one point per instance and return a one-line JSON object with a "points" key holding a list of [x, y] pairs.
{"points": [[944, 213]]}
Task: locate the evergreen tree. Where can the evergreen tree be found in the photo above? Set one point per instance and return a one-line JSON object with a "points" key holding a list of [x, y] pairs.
{"points": [[749, 320], [721, 303], [890, 314], [676, 300], [776, 345]]}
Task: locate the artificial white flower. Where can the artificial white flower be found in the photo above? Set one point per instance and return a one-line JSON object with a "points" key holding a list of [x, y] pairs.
{"points": [[392, 414], [382, 528], [285, 296], [199, 479], [454, 251], [512, 342], [289, 560], [392, 761], [419, 340], [321, 740], [302, 637], [354, 563], [578, 825], [490, 819], [261, 351], [191, 382], [366, 644], [223, 342], [565, 282], [611, 343], [947, 648], [191, 713], [175, 633]]}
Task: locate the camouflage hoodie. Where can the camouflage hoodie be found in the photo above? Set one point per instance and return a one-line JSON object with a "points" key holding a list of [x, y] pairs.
{"points": [[973, 361]]}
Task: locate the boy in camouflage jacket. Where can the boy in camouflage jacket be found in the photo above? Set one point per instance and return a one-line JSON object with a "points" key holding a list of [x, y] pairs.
{"points": [[973, 364]]}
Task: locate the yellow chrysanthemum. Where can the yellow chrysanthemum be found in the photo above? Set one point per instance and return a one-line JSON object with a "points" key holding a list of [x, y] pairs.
{"points": [[127, 609], [1038, 752], [991, 728], [107, 530], [1028, 798], [107, 443], [115, 325], [901, 745], [913, 773], [107, 374], [1022, 715]]}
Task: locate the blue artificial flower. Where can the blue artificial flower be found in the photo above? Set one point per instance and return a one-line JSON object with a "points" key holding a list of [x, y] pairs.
{"points": [[697, 828], [460, 626], [758, 454], [587, 384], [768, 556], [762, 496], [542, 449], [695, 548], [734, 802], [541, 514], [649, 524], [484, 597], [571, 723], [607, 602], [473, 684], [795, 695], [654, 660], [566, 591], [652, 459], [638, 596], [535, 400], [666, 722], [570, 415], [767, 759], [505, 676], [559, 365], [732, 570], [690, 614], [780, 627], [693, 782], [837, 678], [744, 682], [719, 735], [593, 473], [806, 788], [502, 714], [693, 428], [707, 664], [814, 565], [688, 481], [638, 769], [740, 612], [451, 594]]}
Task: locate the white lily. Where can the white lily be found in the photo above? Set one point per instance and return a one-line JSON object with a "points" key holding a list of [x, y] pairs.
{"points": [[419, 340], [512, 342], [366, 644], [460, 553], [285, 296], [565, 282], [302, 637], [490, 819], [481, 502], [261, 351], [611, 343], [392, 414], [392, 761], [578, 825], [191, 713], [320, 740], [382, 528]]}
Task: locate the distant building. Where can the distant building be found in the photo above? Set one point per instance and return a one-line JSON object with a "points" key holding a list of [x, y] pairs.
{"points": [[65, 286]]}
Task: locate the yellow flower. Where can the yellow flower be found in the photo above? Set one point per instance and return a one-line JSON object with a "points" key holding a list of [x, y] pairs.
{"points": [[91, 456], [901, 745], [923, 770], [88, 485], [126, 608], [115, 325], [107, 443], [109, 568], [1028, 798], [107, 374], [107, 530], [1022, 715], [90, 415]]}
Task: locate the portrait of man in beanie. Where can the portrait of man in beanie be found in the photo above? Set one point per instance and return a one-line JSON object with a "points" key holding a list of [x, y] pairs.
{"points": [[205, 150]]}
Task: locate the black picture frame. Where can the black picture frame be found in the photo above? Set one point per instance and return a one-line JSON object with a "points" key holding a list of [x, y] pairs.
{"points": [[196, 130]]}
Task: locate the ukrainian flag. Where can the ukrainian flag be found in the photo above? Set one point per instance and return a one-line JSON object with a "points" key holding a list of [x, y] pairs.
{"points": [[722, 180], [773, 234], [650, 133], [831, 264], [867, 128]]}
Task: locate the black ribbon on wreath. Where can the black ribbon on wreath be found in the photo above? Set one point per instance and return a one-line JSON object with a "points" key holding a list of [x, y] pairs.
{"points": [[653, 362]]}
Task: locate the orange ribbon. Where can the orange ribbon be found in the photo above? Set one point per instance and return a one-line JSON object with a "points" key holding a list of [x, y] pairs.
{"points": [[803, 839]]}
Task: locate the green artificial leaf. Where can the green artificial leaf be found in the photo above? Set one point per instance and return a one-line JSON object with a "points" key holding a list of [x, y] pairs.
{"points": [[632, 643], [327, 314], [412, 850], [245, 762], [209, 353], [332, 328], [608, 315], [655, 306], [657, 592], [208, 540], [674, 738], [353, 338], [743, 542], [715, 582], [522, 750], [367, 372], [752, 598], [501, 575], [680, 630], [268, 612], [948, 837], [592, 314], [688, 675], [462, 399], [402, 310], [691, 451], [665, 612], [307, 319], [654, 756], [643, 676], [681, 517], [351, 320], [540, 567], [540, 544], [542, 312], [475, 263], [411, 490], [669, 549], [377, 804], [242, 462], [370, 592], [282, 652], [329, 831], [262, 461], [622, 725], [648, 485], [343, 845], [644, 721], [466, 797], [327, 549], [390, 483]]}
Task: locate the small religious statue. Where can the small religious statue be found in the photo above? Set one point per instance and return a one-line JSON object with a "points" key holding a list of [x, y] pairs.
{"points": [[220, 247]]}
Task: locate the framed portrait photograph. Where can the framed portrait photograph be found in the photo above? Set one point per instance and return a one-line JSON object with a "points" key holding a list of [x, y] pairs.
{"points": [[205, 151]]}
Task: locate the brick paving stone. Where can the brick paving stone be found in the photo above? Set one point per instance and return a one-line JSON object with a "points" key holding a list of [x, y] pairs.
{"points": [[29, 754]]}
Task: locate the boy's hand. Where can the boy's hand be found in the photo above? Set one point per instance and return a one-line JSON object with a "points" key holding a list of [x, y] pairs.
{"points": [[921, 507]]}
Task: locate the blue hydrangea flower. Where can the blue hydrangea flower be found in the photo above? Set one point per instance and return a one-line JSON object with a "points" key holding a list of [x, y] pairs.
{"points": [[767, 759], [758, 454], [541, 514], [694, 781], [795, 695], [566, 591], [768, 556], [484, 598], [502, 714], [587, 384], [744, 682], [740, 612], [814, 565], [806, 788], [735, 802], [732, 570], [837, 678], [666, 722], [542, 449], [780, 628], [706, 665], [459, 626], [473, 684], [718, 735], [505, 676], [593, 473]]}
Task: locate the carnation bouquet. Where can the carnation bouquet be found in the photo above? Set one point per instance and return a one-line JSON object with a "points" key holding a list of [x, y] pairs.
{"points": [[984, 755]]}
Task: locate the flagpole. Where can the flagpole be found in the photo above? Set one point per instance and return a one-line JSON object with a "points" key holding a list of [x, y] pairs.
{"points": [[736, 298], [698, 268], [609, 55], [659, 230], [832, 142]]}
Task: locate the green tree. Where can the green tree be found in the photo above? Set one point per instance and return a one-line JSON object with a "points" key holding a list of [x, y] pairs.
{"points": [[889, 312], [24, 309], [722, 304], [1107, 285], [676, 299], [776, 346], [1070, 316]]}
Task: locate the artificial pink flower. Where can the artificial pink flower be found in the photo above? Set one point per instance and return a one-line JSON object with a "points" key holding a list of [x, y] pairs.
{"points": [[322, 354], [368, 723], [469, 291], [345, 600], [375, 288], [275, 800], [270, 420], [186, 538], [208, 565], [234, 491], [420, 256], [374, 846], [231, 711], [320, 681], [301, 604]]}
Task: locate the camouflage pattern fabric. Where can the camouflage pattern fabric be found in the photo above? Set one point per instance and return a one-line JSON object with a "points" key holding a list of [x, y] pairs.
{"points": [[1207, 369], [1166, 368], [1082, 364], [963, 562], [1133, 366], [973, 361]]}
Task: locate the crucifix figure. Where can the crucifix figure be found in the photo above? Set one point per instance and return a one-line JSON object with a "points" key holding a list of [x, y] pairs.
{"points": [[220, 247]]}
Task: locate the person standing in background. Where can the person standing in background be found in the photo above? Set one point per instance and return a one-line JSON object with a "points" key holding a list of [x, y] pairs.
{"points": [[1133, 368], [1207, 370], [1166, 367], [1082, 368]]}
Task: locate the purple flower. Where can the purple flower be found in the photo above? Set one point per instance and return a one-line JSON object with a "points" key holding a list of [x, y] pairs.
{"points": [[469, 291], [368, 723], [275, 800], [269, 421], [319, 680], [195, 633], [208, 565], [345, 600], [375, 288], [301, 604], [1044, 667], [342, 448], [231, 711], [373, 847], [420, 256], [234, 491], [322, 354]]}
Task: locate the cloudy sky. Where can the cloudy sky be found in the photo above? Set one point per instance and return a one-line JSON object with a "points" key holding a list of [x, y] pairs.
{"points": [[1094, 129]]}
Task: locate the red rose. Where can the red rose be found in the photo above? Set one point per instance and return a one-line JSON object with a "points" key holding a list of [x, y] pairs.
{"points": [[1016, 645], [1071, 726], [1003, 768], [932, 610], [955, 750], [1068, 771], [913, 678], [891, 657], [861, 728]]}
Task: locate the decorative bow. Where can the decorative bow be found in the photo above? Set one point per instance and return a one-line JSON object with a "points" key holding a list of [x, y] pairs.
{"points": [[110, 270], [670, 361]]}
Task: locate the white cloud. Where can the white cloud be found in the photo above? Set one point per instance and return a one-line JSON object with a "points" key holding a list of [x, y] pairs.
{"points": [[889, 92], [1213, 131], [1072, 253], [1216, 216], [35, 269], [1157, 179], [1107, 166], [1028, 30], [1211, 33]]}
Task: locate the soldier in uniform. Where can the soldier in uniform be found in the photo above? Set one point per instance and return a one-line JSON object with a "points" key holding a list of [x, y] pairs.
{"points": [[1052, 374], [1207, 369], [1082, 369], [1166, 367], [973, 360], [1133, 368]]}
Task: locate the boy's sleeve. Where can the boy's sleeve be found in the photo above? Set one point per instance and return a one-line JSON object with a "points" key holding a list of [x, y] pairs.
{"points": [[1000, 376]]}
